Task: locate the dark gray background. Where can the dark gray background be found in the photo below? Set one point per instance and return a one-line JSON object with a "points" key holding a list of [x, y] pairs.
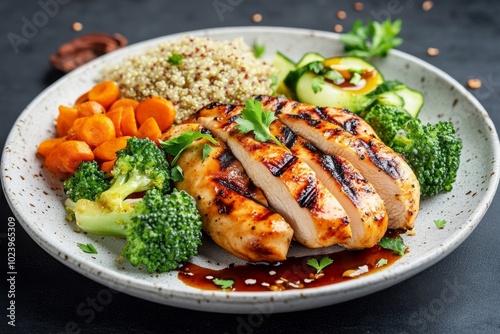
{"points": [[48, 294]]}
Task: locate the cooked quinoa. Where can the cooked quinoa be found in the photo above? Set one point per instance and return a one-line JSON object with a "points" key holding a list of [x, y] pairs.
{"points": [[210, 71]]}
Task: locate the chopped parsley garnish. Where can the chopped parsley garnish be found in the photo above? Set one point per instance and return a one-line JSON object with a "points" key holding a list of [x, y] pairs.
{"points": [[381, 262], [316, 67], [223, 283], [206, 151], [317, 84], [440, 223], [253, 118], [87, 248], [319, 266], [372, 39], [334, 76], [258, 49], [176, 174], [177, 145], [355, 79], [175, 59], [394, 244]]}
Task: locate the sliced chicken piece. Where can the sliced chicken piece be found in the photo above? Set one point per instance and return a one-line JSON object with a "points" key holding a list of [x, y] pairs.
{"points": [[350, 122], [289, 184], [385, 169], [223, 194], [364, 207]]}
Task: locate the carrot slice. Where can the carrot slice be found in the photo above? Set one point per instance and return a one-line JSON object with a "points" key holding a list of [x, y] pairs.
{"points": [[65, 120], [128, 124], [162, 110], [82, 98], [149, 129], [48, 145], [124, 102], [65, 158], [107, 166], [116, 115], [107, 150], [105, 92], [95, 130], [74, 128], [89, 108]]}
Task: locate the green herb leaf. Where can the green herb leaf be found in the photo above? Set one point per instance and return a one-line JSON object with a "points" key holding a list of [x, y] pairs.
{"points": [[372, 39], [355, 79], [177, 145], [223, 283], [274, 82], [381, 262], [317, 84], [176, 174], [175, 59], [206, 151], [334, 76], [319, 266], [440, 223], [87, 248], [394, 244], [316, 67], [253, 118], [258, 49]]}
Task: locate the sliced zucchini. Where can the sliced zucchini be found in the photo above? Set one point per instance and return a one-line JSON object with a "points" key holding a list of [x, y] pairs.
{"points": [[284, 65], [309, 58], [329, 95], [390, 98], [413, 100]]}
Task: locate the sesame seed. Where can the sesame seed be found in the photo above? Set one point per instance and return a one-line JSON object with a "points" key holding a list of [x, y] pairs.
{"points": [[209, 277], [265, 284], [250, 281], [341, 15], [338, 28], [272, 272], [474, 83], [432, 52]]}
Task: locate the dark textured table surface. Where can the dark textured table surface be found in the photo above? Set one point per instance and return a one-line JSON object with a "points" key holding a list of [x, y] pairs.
{"points": [[48, 293]]}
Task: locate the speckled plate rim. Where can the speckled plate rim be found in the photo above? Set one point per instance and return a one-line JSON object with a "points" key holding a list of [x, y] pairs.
{"points": [[263, 302]]}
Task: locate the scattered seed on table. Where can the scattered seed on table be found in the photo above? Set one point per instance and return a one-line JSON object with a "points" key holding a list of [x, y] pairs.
{"points": [[432, 51], [341, 14], [474, 83], [256, 18], [77, 26], [338, 28], [358, 6], [427, 5]]}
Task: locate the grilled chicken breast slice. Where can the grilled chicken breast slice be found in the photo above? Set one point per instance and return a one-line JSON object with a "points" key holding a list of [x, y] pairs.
{"points": [[223, 195], [364, 207], [385, 169], [350, 122], [289, 184]]}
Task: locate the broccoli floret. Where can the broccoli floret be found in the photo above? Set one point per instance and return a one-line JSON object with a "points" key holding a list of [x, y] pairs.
{"points": [[387, 120], [161, 230], [140, 166], [87, 182], [432, 150]]}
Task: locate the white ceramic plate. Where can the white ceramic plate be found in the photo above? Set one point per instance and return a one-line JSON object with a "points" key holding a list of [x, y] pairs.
{"points": [[36, 197]]}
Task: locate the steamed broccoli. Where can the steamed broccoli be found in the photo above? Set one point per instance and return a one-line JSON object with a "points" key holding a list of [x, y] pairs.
{"points": [[140, 166], [432, 150], [87, 182], [161, 230]]}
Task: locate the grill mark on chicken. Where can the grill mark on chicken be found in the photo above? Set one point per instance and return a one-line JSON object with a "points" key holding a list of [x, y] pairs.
{"points": [[309, 194], [288, 137], [279, 167], [227, 107], [335, 167], [387, 165], [226, 158]]}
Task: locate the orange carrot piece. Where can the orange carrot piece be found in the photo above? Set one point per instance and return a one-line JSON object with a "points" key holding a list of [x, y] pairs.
{"points": [[74, 128], [107, 150], [89, 108], [65, 120], [105, 92], [65, 158], [116, 115], [107, 166], [149, 129], [82, 98], [95, 130], [124, 102], [162, 110], [128, 124], [48, 145]]}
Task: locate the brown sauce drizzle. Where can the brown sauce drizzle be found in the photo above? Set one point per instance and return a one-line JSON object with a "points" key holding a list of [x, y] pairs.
{"points": [[293, 273]]}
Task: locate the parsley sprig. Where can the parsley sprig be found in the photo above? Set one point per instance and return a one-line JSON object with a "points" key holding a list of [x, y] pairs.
{"points": [[223, 283], [319, 266], [87, 248], [372, 39], [394, 244], [177, 145], [253, 118]]}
